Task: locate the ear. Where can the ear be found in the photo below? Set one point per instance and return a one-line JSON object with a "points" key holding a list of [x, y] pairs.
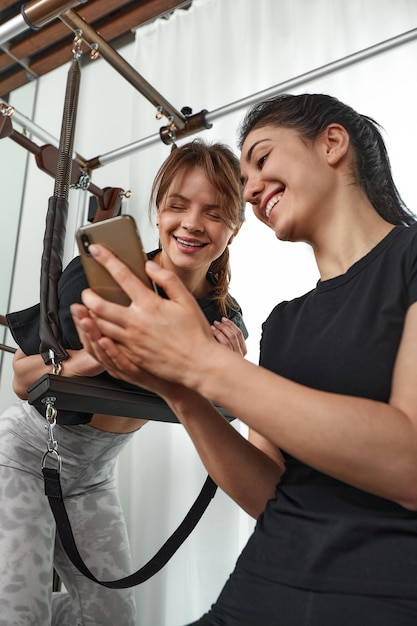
{"points": [[336, 141], [235, 232]]}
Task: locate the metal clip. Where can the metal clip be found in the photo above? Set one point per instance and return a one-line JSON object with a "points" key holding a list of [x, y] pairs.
{"points": [[6, 111], [83, 181], [172, 130], [52, 444], [76, 45], [94, 53], [57, 458], [56, 365]]}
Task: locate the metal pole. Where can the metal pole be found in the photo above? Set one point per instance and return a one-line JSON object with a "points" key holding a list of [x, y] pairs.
{"points": [[33, 15], [31, 127], [146, 142], [5, 348], [329, 68], [91, 37], [12, 28], [267, 93]]}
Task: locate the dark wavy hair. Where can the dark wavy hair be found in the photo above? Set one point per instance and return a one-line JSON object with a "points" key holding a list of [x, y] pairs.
{"points": [[309, 115], [222, 169]]}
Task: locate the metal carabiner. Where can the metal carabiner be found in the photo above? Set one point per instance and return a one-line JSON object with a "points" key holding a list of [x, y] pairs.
{"points": [[52, 444], [57, 457]]}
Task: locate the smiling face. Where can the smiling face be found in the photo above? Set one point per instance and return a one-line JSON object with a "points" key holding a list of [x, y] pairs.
{"points": [[192, 230], [287, 180]]}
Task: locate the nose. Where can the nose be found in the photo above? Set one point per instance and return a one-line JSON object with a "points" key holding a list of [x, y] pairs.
{"points": [[192, 221], [253, 189]]}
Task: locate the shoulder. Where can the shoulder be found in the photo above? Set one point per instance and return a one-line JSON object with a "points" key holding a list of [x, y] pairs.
{"points": [[288, 307], [398, 261], [211, 310], [403, 240]]}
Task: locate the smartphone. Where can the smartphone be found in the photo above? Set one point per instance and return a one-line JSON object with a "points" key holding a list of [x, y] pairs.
{"points": [[120, 235]]}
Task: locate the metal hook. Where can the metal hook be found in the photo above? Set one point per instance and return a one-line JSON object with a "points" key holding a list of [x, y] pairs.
{"points": [[6, 111], [94, 54], [76, 45], [52, 444]]}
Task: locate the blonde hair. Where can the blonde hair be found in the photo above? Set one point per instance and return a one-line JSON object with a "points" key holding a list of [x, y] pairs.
{"points": [[221, 166]]}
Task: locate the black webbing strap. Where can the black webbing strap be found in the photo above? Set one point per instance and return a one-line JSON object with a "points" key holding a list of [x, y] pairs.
{"points": [[54, 493]]}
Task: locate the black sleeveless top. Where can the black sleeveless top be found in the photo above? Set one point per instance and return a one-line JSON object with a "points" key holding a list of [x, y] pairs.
{"points": [[343, 336]]}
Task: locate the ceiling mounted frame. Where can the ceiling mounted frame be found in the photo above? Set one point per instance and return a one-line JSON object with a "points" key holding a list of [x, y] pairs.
{"points": [[180, 124], [33, 41]]}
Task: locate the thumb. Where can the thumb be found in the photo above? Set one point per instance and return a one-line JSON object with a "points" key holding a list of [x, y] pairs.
{"points": [[168, 280]]}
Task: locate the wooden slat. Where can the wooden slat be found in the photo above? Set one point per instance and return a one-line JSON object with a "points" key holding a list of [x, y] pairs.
{"points": [[6, 4], [49, 35]]}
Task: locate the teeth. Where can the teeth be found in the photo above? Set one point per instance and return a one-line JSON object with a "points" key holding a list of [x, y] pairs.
{"points": [[272, 202], [191, 244]]}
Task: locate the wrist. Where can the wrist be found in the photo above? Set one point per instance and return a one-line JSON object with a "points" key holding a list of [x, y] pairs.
{"points": [[205, 374]]}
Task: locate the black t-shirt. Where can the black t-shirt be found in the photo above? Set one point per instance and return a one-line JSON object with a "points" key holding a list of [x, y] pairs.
{"points": [[24, 325], [342, 337]]}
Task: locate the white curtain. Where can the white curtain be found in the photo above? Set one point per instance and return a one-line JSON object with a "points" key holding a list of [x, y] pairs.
{"points": [[215, 53]]}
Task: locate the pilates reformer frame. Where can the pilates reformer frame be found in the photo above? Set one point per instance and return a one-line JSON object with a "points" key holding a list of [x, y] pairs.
{"points": [[52, 390]]}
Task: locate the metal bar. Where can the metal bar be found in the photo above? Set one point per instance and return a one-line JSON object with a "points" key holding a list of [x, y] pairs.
{"points": [[329, 68], [351, 59], [39, 12], [31, 127], [37, 131], [146, 142], [90, 36], [22, 62], [12, 28], [33, 15], [5, 348], [124, 151]]}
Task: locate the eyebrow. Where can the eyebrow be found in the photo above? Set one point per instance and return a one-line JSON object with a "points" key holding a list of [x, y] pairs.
{"points": [[185, 199], [178, 195], [252, 148]]}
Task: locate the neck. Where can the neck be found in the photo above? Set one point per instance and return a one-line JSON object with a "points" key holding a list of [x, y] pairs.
{"points": [[348, 241], [195, 279]]}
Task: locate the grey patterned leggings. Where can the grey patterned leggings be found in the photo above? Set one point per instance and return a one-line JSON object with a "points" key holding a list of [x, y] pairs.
{"points": [[29, 547]]}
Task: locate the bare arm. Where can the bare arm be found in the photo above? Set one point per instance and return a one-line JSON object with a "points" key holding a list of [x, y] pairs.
{"points": [[371, 445], [27, 369], [242, 470], [267, 448]]}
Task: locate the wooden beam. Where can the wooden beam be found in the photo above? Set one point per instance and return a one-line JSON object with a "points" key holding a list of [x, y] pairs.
{"points": [[50, 47]]}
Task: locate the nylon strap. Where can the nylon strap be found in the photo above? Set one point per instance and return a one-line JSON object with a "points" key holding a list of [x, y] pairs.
{"points": [[54, 493]]}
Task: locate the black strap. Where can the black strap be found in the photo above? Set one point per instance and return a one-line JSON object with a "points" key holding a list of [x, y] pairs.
{"points": [[54, 493]]}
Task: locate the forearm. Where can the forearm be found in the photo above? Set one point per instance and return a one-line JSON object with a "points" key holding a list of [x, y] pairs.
{"points": [[370, 445], [242, 471], [26, 370]]}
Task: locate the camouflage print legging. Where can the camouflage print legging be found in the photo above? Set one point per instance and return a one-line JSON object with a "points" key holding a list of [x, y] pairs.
{"points": [[29, 547]]}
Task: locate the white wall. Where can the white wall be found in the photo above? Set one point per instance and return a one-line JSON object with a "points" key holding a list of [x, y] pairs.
{"points": [[218, 52]]}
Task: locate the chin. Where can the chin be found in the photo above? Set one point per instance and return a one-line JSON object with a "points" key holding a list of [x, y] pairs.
{"points": [[284, 231], [283, 234]]}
